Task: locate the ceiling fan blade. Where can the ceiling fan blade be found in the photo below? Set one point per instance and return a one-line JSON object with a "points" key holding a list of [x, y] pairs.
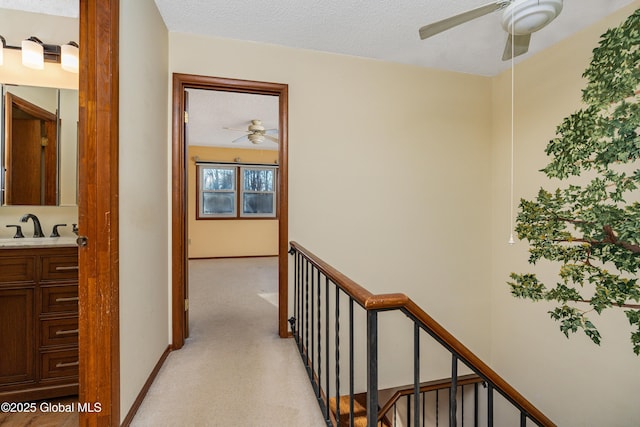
{"points": [[237, 130], [272, 138], [241, 139], [520, 46], [440, 26], [271, 132]]}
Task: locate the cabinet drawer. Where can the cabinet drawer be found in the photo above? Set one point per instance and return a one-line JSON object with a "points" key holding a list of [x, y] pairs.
{"points": [[59, 267], [59, 331], [58, 364], [17, 269], [59, 299]]}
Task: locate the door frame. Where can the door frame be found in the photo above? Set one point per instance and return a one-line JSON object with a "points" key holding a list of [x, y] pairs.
{"points": [[179, 193], [98, 283]]}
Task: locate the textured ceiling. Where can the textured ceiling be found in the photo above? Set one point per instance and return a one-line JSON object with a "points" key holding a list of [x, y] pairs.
{"points": [[384, 29], [67, 8], [210, 112]]}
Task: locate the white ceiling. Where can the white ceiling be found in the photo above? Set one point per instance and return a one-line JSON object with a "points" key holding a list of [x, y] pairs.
{"points": [[384, 29], [210, 112], [67, 8]]}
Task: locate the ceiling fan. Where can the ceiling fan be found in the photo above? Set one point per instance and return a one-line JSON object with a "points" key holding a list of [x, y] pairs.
{"points": [[520, 18], [256, 133]]}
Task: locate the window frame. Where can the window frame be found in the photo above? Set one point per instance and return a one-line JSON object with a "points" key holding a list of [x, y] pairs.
{"points": [[242, 191], [238, 191]]}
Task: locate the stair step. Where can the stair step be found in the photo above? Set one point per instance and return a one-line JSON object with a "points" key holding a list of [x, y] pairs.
{"points": [[359, 411]]}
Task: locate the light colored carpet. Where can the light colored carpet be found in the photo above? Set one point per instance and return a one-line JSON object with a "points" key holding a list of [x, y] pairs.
{"points": [[234, 370]]}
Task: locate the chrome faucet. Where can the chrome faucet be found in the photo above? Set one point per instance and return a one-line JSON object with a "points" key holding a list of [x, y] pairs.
{"points": [[37, 228]]}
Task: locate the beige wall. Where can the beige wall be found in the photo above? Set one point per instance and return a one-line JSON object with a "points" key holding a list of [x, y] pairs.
{"points": [[573, 381], [229, 238], [144, 205], [389, 176]]}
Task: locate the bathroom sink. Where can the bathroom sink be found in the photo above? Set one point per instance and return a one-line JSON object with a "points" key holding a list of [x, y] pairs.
{"points": [[37, 242]]}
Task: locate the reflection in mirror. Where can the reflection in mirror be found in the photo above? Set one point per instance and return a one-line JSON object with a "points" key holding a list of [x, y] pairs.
{"points": [[39, 145]]}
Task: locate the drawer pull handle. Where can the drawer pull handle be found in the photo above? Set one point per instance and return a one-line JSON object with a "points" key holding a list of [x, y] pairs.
{"points": [[67, 365], [63, 268], [67, 332], [67, 299]]}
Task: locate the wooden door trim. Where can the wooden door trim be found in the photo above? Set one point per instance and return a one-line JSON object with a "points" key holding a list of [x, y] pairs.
{"points": [[179, 197], [99, 340]]}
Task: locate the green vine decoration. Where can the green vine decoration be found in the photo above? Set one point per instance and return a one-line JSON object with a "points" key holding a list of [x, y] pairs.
{"points": [[592, 230]]}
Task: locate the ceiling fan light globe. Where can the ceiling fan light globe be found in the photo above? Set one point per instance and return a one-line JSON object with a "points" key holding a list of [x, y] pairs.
{"points": [[255, 138], [524, 17]]}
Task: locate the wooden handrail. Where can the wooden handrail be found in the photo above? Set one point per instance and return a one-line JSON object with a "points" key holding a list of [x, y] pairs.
{"points": [[426, 387], [359, 294], [400, 301]]}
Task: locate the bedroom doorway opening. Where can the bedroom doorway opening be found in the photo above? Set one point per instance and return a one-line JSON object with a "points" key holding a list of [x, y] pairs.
{"points": [[230, 180]]}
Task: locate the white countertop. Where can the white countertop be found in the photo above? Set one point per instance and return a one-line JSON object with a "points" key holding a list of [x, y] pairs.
{"points": [[33, 242]]}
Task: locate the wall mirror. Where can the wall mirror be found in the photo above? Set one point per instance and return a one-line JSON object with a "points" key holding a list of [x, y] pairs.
{"points": [[39, 146]]}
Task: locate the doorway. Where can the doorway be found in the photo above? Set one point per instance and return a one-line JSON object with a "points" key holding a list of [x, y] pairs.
{"points": [[180, 280]]}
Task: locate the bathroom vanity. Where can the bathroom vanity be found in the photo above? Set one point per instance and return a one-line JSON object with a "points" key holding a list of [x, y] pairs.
{"points": [[38, 319]]}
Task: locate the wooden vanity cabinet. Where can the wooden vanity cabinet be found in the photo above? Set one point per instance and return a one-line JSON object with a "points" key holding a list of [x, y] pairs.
{"points": [[38, 322]]}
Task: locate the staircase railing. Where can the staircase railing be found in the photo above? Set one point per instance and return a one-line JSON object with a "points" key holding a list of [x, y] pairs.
{"points": [[316, 327], [431, 388]]}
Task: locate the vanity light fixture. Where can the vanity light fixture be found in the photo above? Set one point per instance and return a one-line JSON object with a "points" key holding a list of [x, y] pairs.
{"points": [[69, 57], [35, 53]]}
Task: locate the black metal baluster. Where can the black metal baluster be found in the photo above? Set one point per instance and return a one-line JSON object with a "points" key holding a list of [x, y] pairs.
{"points": [[453, 391], [326, 347], [299, 320], [416, 374], [476, 414], [437, 408], [311, 352], [292, 321], [319, 338], [306, 321], [409, 410], [523, 419], [338, 357], [490, 405], [372, 367], [351, 364]]}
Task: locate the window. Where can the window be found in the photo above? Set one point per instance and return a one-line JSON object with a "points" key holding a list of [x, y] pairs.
{"points": [[236, 191]]}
